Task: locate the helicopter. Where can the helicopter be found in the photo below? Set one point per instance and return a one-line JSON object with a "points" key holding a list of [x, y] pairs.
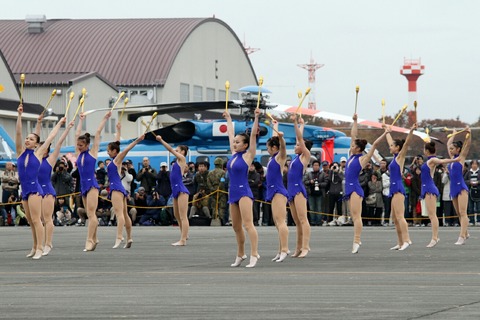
{"points": [[208, 139]]}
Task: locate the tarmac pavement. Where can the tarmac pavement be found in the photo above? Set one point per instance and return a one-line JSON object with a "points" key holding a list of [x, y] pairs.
{"points": [[154, 280]]}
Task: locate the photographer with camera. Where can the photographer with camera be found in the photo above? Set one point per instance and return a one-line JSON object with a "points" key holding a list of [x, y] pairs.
{"points": [[315, 183], [200, 205], [10, 184], [152, 214], [147, 176], [126, 177], [61, 179], [335, 193]]}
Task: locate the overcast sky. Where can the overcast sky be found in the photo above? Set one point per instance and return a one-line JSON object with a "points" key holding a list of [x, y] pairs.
{"points": [[360, 42]]}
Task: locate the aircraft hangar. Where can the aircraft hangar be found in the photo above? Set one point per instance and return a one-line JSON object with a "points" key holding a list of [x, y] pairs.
{"points": [[152, 60]]}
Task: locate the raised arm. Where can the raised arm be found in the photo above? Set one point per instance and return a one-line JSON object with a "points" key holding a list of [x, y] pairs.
{"points": [[96, 142], [18, 131], [38, 127], [366, 158], [117, 134], [178, 155], [282, 152], [275, 127], [354, 131], [78, 131], [299, 134], [467, 144], [54, 155], [119, 158], [41, 149], [409, 138], [252, 149], [230, 129]]}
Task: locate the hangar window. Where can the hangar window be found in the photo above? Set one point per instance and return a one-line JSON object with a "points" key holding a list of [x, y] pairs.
{"points": [[234, 96], [184, 92], [197, 93], [222, 94], [210, 94], [113, 125]]}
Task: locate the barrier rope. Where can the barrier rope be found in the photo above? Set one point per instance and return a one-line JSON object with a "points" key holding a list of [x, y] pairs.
{"points": [[217, 193]]}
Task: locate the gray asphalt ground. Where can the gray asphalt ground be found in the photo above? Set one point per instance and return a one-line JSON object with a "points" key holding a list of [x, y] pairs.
{"points": [[154, 280]]}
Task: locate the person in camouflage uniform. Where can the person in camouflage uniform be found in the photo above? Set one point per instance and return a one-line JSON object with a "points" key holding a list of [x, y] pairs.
{"points": [[216, 180]]}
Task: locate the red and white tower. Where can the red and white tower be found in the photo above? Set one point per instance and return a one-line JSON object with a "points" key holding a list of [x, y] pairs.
{"points": [[311, 67], [412, 69]]}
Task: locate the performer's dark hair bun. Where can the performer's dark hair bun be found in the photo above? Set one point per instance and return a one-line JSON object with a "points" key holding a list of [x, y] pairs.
{"points": [[399, 143], [273, 142], [430, 147], [361, 143], [85, 137], [114, 145], [308, 144]]}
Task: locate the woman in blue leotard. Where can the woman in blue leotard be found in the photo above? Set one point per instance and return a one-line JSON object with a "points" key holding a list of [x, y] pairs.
{"points": [[276, 192], [44, 178], [397, 192], [29, 156], [86, 161], [240, 197], [296, 189], [353, 190], [118, 194], [458, 187], [179, 191], [429, 191]]}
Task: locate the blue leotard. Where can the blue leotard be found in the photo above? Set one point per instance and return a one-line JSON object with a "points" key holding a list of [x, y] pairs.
{"points": [[295, 183], [44, 178], [176, 181], [86, 169], [28, 174], [114, 179], [352, 172], [428, 186], [274, 179], [238, 172], [396, 180], [457, 183]]}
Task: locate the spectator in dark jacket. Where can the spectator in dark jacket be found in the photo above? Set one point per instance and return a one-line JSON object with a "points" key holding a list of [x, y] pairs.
{"points": [[61, 179], [163, 181], [335, 192], [254, 183]]}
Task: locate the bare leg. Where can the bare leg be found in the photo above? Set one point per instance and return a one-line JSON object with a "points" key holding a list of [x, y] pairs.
{"points": [[128, 224], [181, 207], [32, 228], [91, 203], [48, 204], [431, 203], [460, 204], [35, 207], [298, 226], [398, 206], [301, 206], [246, 212], [355, 211], [279, 211], [238, 228], [118, 200]]}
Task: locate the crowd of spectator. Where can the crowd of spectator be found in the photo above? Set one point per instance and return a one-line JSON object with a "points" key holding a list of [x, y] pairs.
{"points": [[149, 194]]}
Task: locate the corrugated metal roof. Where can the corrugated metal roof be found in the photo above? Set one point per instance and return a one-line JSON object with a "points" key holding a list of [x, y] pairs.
{"points": [[127, 52]]}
